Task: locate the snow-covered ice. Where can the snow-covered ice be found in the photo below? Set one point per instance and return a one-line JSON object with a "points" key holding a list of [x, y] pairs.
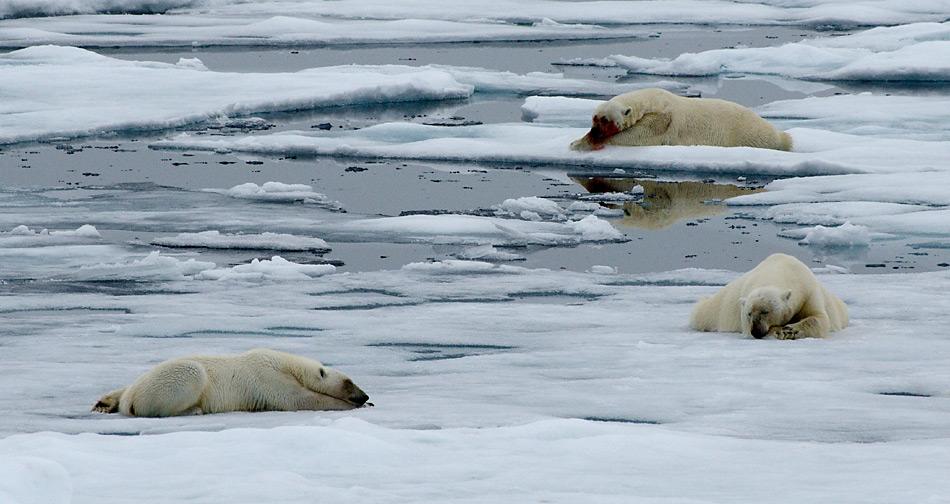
{"points": [[845, 235], [279, 30], [55, 92], [278, 192], [816, 152], [471, 369], [768, 12], [218, 240], [916, 52], [275, 268]]}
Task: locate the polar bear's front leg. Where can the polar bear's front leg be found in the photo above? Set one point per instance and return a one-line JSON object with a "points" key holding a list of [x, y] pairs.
{"points": [[816, 326]]}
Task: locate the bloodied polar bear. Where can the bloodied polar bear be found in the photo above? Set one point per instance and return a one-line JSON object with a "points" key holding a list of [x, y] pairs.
{"points": [[780, 297], [258, 380], [657, 117]]}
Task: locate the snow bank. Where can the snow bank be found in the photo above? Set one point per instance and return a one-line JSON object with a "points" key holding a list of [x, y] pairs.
{"points": [[275, 268], [33, 480], [278, 30], [918, 52], [278, 192], [817, 152], [218, 240], [54, 92]]}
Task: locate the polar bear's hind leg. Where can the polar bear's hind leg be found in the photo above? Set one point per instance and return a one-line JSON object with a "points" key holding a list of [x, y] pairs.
{"points": [[170, 389]]}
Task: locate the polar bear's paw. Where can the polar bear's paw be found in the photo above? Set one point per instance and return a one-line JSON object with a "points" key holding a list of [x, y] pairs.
{"points": [[106, 405], [788, 332]]}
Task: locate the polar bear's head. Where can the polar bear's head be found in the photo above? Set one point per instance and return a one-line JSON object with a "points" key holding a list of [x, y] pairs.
{"points": [[764, 308], [336, 386], [610, 118]]}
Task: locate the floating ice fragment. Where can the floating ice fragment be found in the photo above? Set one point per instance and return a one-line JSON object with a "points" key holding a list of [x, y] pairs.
{"points": [[275, 268], [217, 240]]}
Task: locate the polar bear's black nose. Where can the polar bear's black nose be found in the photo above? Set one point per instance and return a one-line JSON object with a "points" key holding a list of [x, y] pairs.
{"points": [[359, 398], [758, 333]]}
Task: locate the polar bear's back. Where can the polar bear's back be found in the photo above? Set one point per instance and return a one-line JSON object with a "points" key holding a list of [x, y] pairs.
{"points": [[702, 121]]}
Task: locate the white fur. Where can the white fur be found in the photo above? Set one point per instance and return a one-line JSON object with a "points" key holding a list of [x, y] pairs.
{"points": [[258, 380], [657, 117], [780, 297]]}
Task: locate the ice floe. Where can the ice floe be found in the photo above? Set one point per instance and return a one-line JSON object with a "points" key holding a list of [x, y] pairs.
{"points": [[279, 30], [421, 341], [821, 13], [477, 230], [919, 117], [55, 92], [278, 192], [816, 152], [917, 52], [263, 241]]}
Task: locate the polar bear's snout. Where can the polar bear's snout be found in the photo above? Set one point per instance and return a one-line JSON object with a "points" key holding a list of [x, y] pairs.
{"points": [[354, 394], [601, 130]]}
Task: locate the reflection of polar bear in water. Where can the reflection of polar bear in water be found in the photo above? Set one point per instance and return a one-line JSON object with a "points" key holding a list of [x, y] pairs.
{"points": [[780, 297], [258, 380], [657, 117], [665, 203]]}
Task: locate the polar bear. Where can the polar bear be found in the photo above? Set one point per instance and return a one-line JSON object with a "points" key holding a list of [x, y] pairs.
{"points": [[658, 117], [257, 380], [780, 297]]}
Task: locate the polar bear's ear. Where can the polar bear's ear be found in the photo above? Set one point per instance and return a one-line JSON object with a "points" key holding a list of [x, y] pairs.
{"points": [[787, 295]]}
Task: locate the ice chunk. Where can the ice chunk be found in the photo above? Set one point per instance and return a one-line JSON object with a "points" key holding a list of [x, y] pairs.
{"points": [[477, 230], [278, 192], [153, 267], [540, 207], [455, 267], [23, 236], [488, 253], [275, 268], [845, 235], [217, 240]]}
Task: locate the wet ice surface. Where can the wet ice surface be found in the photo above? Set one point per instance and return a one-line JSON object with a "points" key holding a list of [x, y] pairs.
{"points": [[558, 364]]}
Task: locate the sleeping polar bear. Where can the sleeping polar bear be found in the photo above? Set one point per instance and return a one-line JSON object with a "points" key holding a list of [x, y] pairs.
{"points": [[657, 117], [780, 297], [258, 380]]}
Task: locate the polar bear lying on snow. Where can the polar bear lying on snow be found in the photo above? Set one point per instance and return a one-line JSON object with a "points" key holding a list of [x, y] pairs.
{"points": [[780, 297], [258, 380], [657, 117]]}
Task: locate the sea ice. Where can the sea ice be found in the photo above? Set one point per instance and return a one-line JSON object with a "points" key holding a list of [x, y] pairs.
{"points": [[217, 240], [917, 52]]}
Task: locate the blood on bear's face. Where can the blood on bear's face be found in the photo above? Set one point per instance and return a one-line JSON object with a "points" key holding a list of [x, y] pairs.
{"points": [[601, 130]]}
